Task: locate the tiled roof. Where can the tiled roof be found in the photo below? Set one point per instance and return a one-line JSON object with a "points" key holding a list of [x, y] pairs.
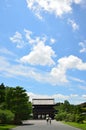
{"points": [[46, 101]]}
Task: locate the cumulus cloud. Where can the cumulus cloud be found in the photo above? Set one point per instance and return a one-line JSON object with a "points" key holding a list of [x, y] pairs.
{"points": [[28, 34], [72, 98], [58, 73], [34, 39], [56, 76], [57, 7], [74, 25], [83, 46], [18, 40], [24, 39], [71, 62], [27, 37], [41, 54]]}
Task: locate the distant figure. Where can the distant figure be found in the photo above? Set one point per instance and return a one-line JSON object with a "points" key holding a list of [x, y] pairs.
{"points": [[47, 119], [50, 120]]}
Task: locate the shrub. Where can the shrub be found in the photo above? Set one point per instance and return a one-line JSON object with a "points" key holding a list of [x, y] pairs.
{"points": [[70, 117], [61, 116], [6, 116], [79, 118]]}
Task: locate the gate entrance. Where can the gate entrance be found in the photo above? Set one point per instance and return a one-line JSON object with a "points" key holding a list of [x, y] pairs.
{"points": [[43, 108]]}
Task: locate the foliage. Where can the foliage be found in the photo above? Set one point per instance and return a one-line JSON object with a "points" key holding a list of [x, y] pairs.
{"points": [[61, 116], [70, 117], [2, 93], [17, 101], [79, 118], [6, 116], [67, 112]]}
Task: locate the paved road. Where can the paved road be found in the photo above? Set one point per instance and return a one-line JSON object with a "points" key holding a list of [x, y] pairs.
{"points": [[42, 125]]}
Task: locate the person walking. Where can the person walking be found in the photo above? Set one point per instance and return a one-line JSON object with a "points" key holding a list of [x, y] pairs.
{"points": [[50, 120], [47, 119]]}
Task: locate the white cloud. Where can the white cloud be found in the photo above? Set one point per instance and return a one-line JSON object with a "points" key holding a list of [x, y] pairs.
{"points": [[32, 95], [58, 97], [58, 73], [77, 1], [72, 98], [3, 64], [32, 39], [41, 54], [52, 40], [77, 80], [57, 7], [28, 34], [18, 39], [74, 25], [56, 76], [9, 70], [84, 96], [4, 50], [71, 62], [83, 46], [27, 38]]}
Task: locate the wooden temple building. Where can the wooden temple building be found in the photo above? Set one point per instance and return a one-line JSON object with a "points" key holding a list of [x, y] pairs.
{"points": [[43, 108]]}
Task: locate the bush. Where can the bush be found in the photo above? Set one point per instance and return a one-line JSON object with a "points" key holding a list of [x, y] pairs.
{"points": [[6, 116], [70, 117], [61, 116], [79, 118]]}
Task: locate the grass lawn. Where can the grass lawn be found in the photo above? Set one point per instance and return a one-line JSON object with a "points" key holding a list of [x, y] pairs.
{"points": [[77, 125], [6, 127]]}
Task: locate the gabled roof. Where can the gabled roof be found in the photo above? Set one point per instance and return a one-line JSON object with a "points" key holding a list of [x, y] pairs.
{"points": [[46, 101]]}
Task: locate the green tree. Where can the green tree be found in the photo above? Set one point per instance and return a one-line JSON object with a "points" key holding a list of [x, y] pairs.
{"points": [[67, 112], [66, 106], [2, 93], [17, 101]]}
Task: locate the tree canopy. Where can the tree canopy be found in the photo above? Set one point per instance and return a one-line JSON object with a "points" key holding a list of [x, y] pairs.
{"points": [[17, 101], [68, 112]]}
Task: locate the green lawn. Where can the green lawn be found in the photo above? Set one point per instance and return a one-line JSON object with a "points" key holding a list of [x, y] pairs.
{"points": [[6, 127], [77, 125]]}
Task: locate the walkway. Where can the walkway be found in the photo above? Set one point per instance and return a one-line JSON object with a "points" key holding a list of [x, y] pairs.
{"points": [[42, 125]]}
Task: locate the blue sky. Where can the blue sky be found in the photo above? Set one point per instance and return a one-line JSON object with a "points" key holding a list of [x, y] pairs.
{"points": [[43, 48]]}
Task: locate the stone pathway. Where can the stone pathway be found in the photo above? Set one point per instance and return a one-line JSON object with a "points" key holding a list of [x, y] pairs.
{"points": [[42, 125]]}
